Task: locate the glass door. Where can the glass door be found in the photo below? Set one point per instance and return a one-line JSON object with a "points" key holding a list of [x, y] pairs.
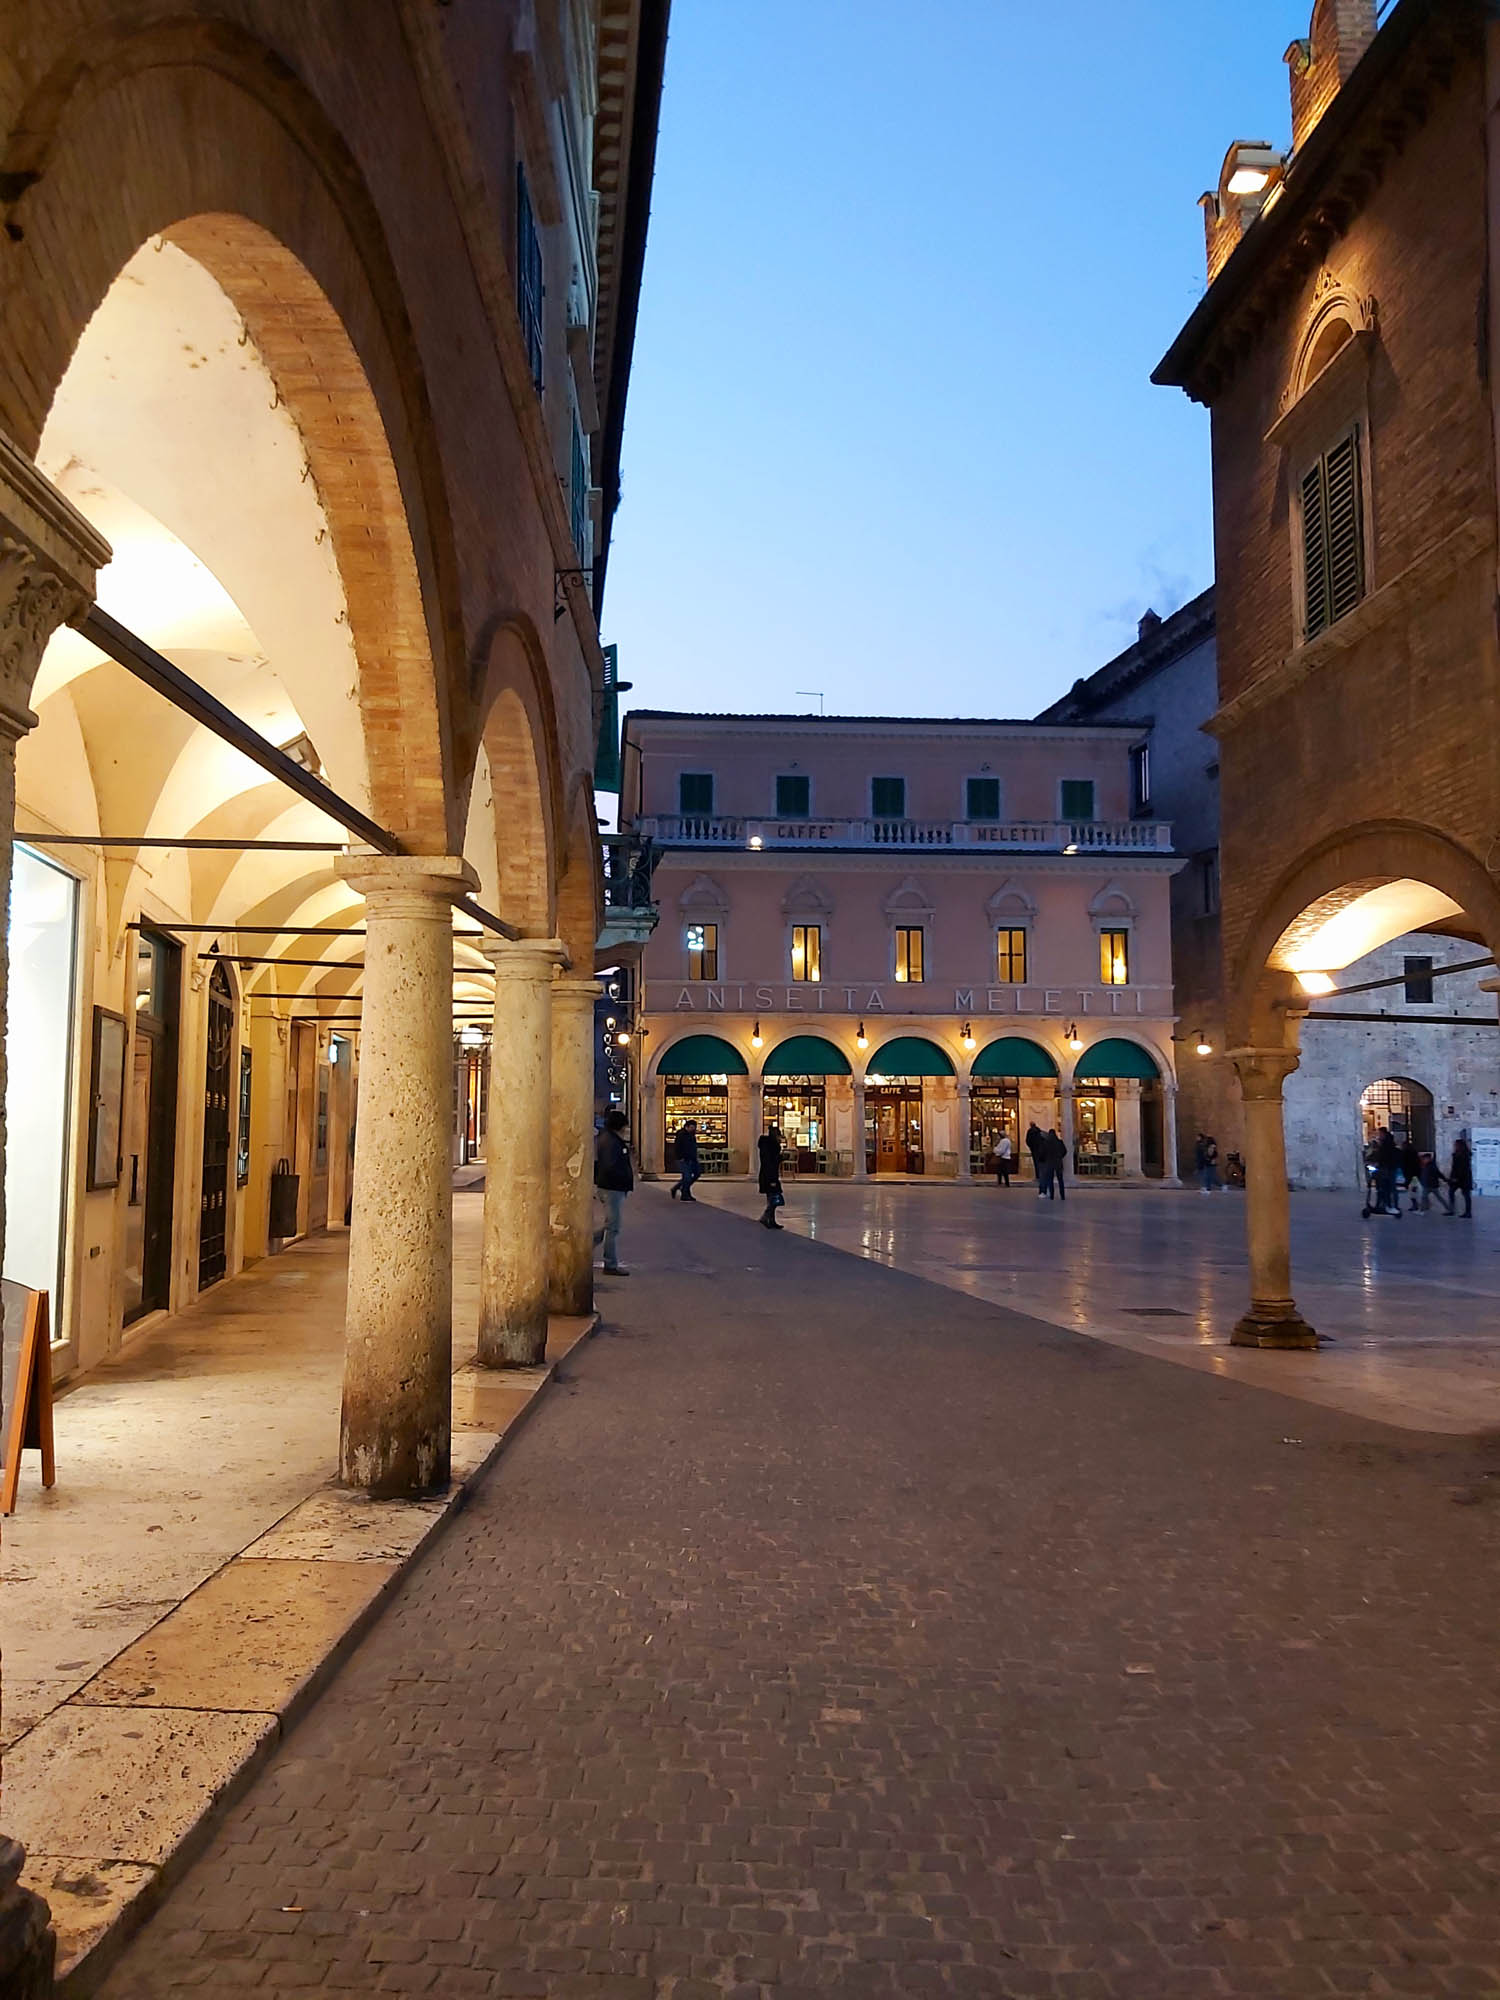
{"points": [[704, 1099], [893, 1128], [994, 1109], [151, 1127], [213, 1206]]}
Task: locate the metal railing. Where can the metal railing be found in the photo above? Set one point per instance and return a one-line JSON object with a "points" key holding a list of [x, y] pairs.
{"points": [[1131, 836], [629, 859]]}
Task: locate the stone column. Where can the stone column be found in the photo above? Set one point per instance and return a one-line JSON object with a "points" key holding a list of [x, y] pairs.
{"points": [[757, 1120], [965, 1128], [48, 558], [1128, 1126], [1273, 1319], [1065, 1113], [398, 1320], [861, 1168], [1169, 1174], [570, 1263], [517, 1189], [648, 1138]]}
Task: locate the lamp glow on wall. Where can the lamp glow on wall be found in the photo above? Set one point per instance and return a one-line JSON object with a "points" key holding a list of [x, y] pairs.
{"points": [[967, 1038], [1075, 1040], [861, 1039], [756, 1039], [1205, 1046], [1316, 983]]}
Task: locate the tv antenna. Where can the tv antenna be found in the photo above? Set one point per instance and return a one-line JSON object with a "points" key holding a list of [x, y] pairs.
{"points": [[811, 694]]}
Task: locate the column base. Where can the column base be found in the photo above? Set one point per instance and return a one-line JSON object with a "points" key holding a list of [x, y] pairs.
{"points": [[1285, 1330], [28, 1946]]}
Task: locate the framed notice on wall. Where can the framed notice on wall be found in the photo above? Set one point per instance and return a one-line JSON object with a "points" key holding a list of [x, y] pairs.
{"points": [[106, 1098]]}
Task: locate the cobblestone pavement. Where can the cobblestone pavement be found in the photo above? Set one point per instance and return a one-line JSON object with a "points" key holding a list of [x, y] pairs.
{"points": [[828, 1631]]}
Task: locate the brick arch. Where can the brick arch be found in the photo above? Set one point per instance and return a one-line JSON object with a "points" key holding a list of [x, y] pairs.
{"points": [[1330, 876], [518, 728], [580, 890], [194, 132]]}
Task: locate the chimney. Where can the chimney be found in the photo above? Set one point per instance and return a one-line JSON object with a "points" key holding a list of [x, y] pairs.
{"points": [[1248, 179], [1149, 626], [1340, 33]]}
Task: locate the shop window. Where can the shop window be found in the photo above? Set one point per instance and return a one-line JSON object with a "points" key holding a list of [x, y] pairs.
{"points": [[702, 942], [529, 291], [909, 954], [1010, 966], [807, 952], [1418, 973], [1140, 779], [695, 792], [888, 798], [1333, 536], [982, 798], [1076, 799], [1114, 958], [793, 797]]}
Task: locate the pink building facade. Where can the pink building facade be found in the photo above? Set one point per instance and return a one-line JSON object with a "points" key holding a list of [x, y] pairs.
{"points": [[898, 939]]}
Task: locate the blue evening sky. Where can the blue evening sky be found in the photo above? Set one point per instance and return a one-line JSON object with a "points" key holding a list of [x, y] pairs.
{"points": [[891, 433]]}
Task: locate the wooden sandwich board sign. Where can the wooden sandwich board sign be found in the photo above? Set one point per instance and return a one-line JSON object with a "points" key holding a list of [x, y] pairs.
{"points": [[25, 1386]]}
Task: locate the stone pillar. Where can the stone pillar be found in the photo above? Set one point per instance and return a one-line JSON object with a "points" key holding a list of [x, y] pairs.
{"points": [[398, 1320], [861, 1167], [1065, 1113], [570, 1264], [517, 1187], [1273, 1319], [757, 1120], [1169, 1174], [965, 1128], [48, 558], [648, 1140], [1128, 1126]]}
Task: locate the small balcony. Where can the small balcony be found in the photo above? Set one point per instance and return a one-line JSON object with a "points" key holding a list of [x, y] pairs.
{"points": [[629, 912], [1095, 836]]}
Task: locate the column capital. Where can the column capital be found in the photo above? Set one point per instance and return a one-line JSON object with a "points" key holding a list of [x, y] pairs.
{"points": [[406, 885], [49, 557], [531, 958], [1262, 1072], [570, 989]]}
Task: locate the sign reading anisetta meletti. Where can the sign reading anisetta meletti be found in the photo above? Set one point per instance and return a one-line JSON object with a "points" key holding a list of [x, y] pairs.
{"points": [[662, 996]]}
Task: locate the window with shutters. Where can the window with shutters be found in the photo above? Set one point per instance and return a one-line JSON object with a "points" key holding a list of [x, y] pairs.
{"points": [[578, 494], [909, 955], [1010, 967], [695, 792], [888, 798], [1417, 973], [1333, 535], [1075, 798], [528, 275], [807, 952], [702, 941], [793, 797], [982, 798], [1114, 958]]}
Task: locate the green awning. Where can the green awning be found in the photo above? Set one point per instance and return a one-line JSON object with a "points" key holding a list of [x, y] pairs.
{"points": [[702, 1055], [909, 1055], [1115, 1058], [806, 1055], [1013, 1055]]}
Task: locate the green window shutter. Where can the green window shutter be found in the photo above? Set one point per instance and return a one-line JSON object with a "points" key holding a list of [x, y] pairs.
{"points": [[793, 797], [1314, 552], [607, 751], [695, 792], [888, 798], [1346, 556], [983, 800], [1077, 796]]}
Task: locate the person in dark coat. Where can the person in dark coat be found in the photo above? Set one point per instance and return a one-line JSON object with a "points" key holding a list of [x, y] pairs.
{"points": [[1387, 1164], [1431, 1177], [769, 1147], [1411, 1171], [1054, 1160], [1034, 1147], [685, 1152], [614, 1177], [1461, 1177]]}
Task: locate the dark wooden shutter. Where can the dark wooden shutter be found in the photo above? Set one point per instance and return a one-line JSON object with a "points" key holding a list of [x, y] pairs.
{"points": [[1314, 551], [1333, 547]]}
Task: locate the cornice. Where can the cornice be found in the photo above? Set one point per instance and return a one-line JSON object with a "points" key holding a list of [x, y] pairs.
{"points": [[916, 861]]}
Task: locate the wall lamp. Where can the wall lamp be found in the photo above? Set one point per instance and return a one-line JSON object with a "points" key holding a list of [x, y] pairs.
{"points": [[756, 1039], [1205, 1046], [1075, 1040], [967, 1038], [1315, 982], [561, 578], [861, 1039]]}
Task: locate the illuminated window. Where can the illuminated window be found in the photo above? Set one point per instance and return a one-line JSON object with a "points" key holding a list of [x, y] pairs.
{"points": [[1010, 968], [1114, 958], [807, 952], [703, 951], [909, 953], [1140, 778]]}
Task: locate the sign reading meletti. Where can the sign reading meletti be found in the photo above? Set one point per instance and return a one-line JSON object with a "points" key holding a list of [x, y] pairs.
{"points": [[25, 1385], [809, 998]]}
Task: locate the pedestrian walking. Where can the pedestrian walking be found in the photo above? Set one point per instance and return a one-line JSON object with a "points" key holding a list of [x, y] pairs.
{"points": [[614, 1177], [1411, 1172], [1034, 1147], [685, 1152], [1055, 1156], [1005, 1159], [1430, 1175], [1461, 1177], [769, 1147], [1206, 1162], [1387, 1166]]}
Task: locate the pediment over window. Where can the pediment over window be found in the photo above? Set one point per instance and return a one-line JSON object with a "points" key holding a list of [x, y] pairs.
{"points": [[704, 895], [1113, 904], [909, 900], [1331, 371], [807, 898], [1010, 905]]}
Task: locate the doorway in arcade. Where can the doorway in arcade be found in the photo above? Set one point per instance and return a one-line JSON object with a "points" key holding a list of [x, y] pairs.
{"points": [[911, 1109], [1118, 1113], [695, 1076], [1013, 1087], [809, 1096]]}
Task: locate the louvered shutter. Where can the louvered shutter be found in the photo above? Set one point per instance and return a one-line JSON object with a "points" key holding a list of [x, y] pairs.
{"points": [[1314, 551], [1346, 556]]}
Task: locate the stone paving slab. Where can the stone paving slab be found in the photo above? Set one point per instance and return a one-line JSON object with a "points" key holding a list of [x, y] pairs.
{"points": [[248, 1640], [339, 1526], [89, 1899]]}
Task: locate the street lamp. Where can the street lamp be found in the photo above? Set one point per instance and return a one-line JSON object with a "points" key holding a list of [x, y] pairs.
{"points": [[861, 1039], [1075, 1040], [1205, 1046], [968, 1038], [756, 1040]]}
